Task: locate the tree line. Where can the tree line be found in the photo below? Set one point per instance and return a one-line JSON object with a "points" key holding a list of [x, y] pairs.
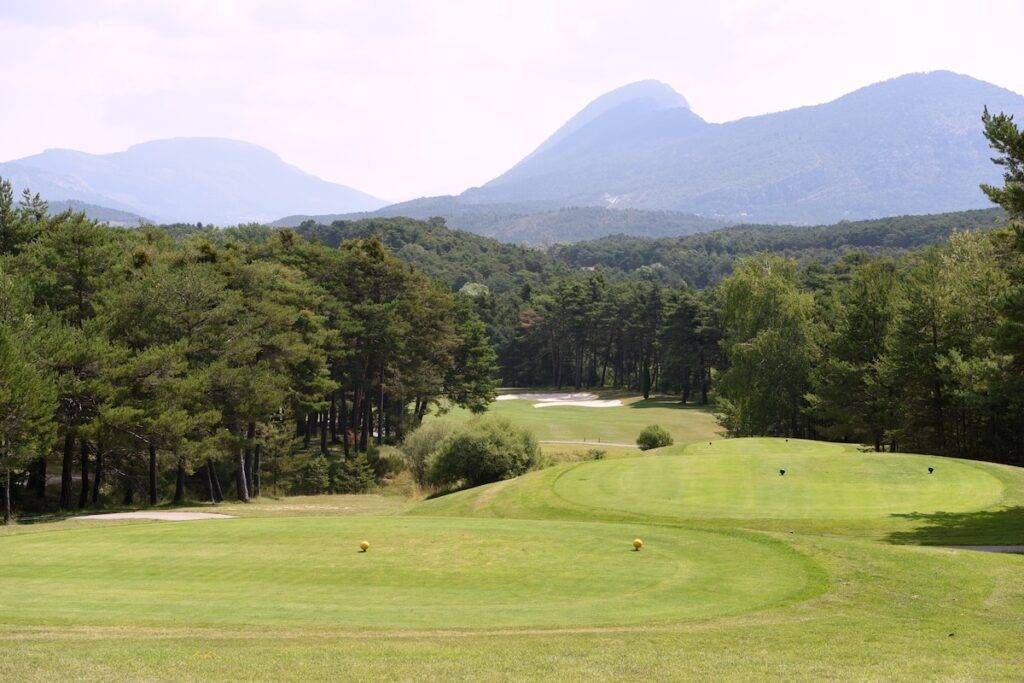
{"points": [[922, 351], [154, 360], [139, 363]]}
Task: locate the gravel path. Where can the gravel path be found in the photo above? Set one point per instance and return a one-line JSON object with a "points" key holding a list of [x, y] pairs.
{"points": [[166, 516]]}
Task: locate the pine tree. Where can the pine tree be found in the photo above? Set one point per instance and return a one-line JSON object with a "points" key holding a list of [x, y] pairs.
{"points": [[27, 403]]}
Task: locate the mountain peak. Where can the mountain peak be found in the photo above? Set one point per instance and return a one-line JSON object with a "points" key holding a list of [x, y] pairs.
{"points": [[213, 180], [649, 94], [661, 95], [909, 145]]}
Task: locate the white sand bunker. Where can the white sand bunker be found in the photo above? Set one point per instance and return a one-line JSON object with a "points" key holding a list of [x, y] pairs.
{"points": [[585, 399], [166, 516]]}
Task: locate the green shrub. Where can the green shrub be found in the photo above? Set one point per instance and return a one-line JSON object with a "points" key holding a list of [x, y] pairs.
{"points": [[595, 454], [653, 436], [385, 461], [420, 446], [353, 474], [486, 449], [312, 476]]}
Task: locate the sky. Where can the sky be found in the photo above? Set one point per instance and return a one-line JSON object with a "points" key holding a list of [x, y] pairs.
{"points": [[418, 98]]}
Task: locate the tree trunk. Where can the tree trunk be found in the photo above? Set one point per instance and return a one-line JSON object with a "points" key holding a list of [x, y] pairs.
{"points": [[97, 475], [243, 490], [310, 426], [380, 407], [129, 492], [7, 497], [257, 455], [703, 380], [323, 432], [179, 483], [364, 433], [152, 474], [217, 490], [209, 483], [343, 418], [332, 420], [67, 464], [41, 478], [83, 495], [250, 436]]}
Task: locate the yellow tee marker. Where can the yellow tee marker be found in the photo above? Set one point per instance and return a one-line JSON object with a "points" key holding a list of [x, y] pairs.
{"points": [[364, 546], [637, 544]]}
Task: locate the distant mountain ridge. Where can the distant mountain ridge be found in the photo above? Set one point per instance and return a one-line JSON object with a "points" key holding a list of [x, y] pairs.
{"points": [[209, 180], [103, 214], [910, 145], [532, 223]]}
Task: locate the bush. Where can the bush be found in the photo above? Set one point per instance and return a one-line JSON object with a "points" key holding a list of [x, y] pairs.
{"points": [[353, 474], [653, 436], [385, 461], [486, 449], [420, 446], [595, 454], [312, 476]]}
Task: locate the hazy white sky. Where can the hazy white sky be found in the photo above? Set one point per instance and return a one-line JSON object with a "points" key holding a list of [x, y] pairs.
{"points": [[402, 99]]}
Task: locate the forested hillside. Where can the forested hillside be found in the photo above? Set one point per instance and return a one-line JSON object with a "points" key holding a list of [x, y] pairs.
{"points": [[533, 223], [702, 260]]}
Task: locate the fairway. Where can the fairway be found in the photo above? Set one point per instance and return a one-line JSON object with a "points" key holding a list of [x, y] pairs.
{"points": [[419, 573], [616, 425], [742, 574]]}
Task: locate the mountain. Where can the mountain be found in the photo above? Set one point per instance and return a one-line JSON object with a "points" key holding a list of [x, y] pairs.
{"points": [[113, 217], [534, 223], [186, 180], [910, 145]]}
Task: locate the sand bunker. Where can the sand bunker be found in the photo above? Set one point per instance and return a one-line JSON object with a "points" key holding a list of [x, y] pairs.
{"points": [[166, 516], [585, 399]]}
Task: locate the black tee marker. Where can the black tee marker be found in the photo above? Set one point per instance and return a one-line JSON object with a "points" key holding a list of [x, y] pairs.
{"points": [[782, 473], [930, 470]]}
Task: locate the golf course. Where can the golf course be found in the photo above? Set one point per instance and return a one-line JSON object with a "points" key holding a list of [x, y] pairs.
{"points": [[836, 568]]}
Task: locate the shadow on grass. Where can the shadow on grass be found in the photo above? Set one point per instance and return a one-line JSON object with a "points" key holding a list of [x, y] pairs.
{"points": [[988, 527]]}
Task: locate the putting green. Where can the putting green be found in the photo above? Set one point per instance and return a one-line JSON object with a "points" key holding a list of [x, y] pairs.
{"points": [[420, 573], [740, 478]]}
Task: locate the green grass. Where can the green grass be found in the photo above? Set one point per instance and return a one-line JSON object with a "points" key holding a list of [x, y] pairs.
{"points": [[744, 481], [619, 425], [820, 574], [420, 573]]}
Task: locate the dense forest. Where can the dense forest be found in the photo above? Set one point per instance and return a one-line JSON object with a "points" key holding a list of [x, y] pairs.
{"points": [[705, 259], [145, 361], [140, 361]]}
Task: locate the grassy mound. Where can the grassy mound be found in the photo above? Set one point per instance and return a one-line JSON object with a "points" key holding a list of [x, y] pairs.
{"points": [[420, 573], [742, 479], [827, 488]]}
